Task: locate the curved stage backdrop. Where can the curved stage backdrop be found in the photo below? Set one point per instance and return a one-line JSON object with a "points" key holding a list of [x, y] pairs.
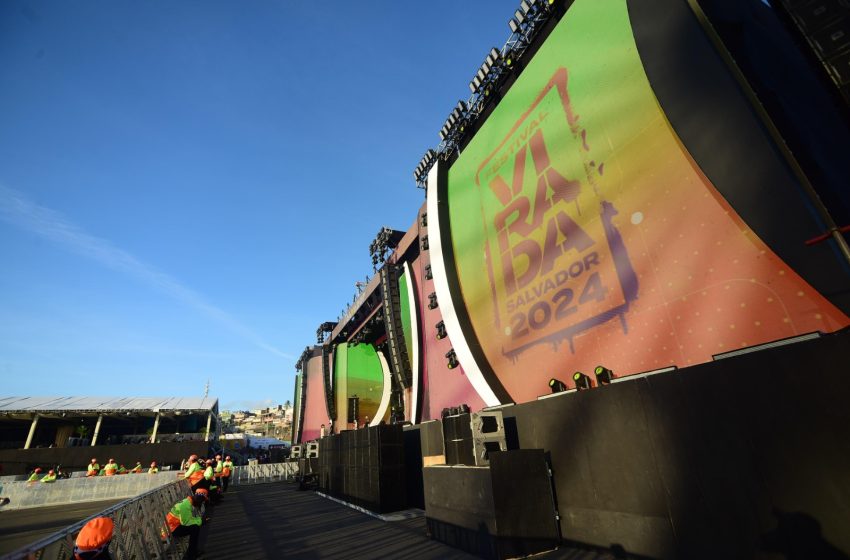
{"points": [[624, 204]]}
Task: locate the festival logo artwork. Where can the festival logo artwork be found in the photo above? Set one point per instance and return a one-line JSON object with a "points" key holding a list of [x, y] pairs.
{"points": [[557, 263]]}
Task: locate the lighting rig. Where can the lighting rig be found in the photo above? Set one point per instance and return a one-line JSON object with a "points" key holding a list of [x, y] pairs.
{"points": [[526, 23], [301, 364], [324, 329], [383, 244]]}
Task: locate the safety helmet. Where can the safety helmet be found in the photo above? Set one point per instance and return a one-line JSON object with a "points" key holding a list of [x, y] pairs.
{"points": [[94, 459], [50, 471], [94, 536], [37, 469]]}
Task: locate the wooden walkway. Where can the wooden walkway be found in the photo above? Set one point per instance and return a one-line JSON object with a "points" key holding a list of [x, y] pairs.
{"points": [[278, 521]]}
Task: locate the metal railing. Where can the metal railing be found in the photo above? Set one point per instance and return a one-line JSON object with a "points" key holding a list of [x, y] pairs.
{"points": [[268, 472], [140, 533]]}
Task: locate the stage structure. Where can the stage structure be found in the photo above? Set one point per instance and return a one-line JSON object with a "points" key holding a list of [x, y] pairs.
{"points": [[631, 188]]}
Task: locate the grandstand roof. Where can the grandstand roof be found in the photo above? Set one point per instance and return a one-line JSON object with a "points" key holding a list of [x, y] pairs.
{"points": [[106, 404]]}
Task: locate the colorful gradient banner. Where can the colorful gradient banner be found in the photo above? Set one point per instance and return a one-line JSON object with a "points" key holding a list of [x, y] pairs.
{"points": [[584, 233]]}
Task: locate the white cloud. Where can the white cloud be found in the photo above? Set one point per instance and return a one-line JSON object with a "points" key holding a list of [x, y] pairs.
{"points": [[18, 210]]}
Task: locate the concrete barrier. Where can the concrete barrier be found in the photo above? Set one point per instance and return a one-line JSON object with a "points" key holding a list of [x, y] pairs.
{"points": [[75, 490]]}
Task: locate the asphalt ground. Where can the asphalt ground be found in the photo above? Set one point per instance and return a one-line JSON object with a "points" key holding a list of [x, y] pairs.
{"points": [[20, 527]]}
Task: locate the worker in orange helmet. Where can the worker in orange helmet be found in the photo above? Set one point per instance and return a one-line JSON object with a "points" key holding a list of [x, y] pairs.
{"points": [[34, 476], [195, 473], [50, 476], [185, 519], [93, 541], [111, 468]]}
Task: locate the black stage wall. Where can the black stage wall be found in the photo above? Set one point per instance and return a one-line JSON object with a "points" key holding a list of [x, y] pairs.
{"points": [[708, 461], [20, 461]]}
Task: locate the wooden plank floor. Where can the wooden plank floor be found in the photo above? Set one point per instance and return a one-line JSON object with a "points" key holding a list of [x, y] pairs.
{"points": [[277, 521]]}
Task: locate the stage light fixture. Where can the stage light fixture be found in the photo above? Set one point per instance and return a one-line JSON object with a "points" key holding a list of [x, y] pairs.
{"points": [[432, 300], [603, 375], [557, 386], [524, 6], [441, 330], [519, 17], [492, 57], [452, 357], [582, 381], [514, 25]]}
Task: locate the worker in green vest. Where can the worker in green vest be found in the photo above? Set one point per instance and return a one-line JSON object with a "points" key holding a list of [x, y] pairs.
{"points": [[226, 471], [50, 476], [36, 474], [94, 468], [111, 468], [195, 474], [154, 469], [209, 476], [185, 519]]}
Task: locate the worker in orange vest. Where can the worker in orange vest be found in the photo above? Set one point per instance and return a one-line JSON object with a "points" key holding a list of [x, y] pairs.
{"points": [[226, 471], [195, 474], [93, 541], [184, 519], [110, 468]]}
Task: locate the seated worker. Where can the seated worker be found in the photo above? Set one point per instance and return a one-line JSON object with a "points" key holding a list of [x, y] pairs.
{"points": [[154, 469], [137, 468], [122, 469], [110, 468], [50, 476], [35, 475], [93, 541], [185, 519], [93, 469]]}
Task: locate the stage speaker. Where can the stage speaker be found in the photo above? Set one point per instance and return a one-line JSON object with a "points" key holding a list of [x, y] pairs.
{"points": [[502, 511], [488, 435], [432, 443], [458, 440]]}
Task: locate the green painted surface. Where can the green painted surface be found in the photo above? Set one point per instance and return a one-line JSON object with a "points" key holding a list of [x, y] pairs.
{"points": [[357, 371], [406, 316]]}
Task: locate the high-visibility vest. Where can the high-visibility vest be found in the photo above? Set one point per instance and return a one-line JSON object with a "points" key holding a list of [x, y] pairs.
{"points": [[173, 521], [153, 470], [195, 474], [93, 469], [110, 469], [184, 513], [227, 467], [49, 478]]}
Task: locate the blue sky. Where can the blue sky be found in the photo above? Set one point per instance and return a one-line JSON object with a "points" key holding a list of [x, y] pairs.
{"points": [[188, 189]]}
